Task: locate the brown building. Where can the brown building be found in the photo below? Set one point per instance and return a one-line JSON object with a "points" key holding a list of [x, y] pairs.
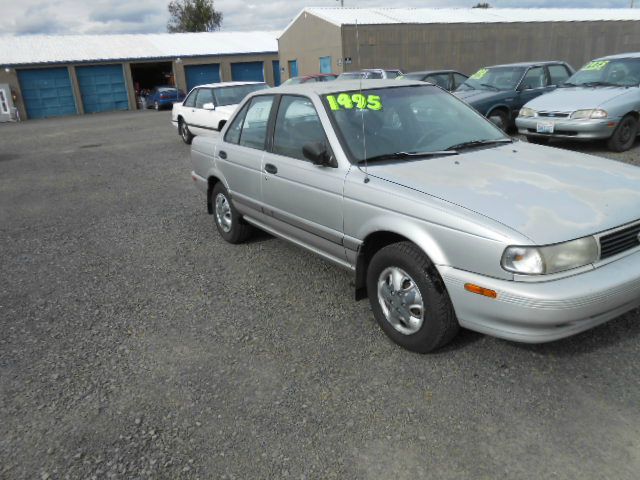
{"points": [[75, 74], [337, 39]]}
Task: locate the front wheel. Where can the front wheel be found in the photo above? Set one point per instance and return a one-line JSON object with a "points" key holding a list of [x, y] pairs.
{"points": [[624, 135], [500, 118], [229, 223], [186, 135], [409, 299]]}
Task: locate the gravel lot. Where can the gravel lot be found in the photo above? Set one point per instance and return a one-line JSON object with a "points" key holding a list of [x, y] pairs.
{"points": [[134, 343]]}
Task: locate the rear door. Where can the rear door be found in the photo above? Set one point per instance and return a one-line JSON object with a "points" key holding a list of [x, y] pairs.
{"points": [[239, 156], [303, 200]]}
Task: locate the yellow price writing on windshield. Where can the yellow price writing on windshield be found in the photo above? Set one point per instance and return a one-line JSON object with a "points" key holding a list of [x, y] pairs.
{"points": [[479, 74], [591, 66], [356, 100]]}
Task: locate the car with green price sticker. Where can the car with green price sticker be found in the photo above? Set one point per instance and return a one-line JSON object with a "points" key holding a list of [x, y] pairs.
{"points": [[500, 91], [444, 220], [600, 102]]}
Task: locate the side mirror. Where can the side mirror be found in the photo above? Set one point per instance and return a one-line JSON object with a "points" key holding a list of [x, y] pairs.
{"points": [[318, 154], [209, 106]]}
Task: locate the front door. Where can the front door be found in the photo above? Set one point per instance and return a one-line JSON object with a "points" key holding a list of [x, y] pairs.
{"points": [[325, 64], [303, 199], [293, 68], [532, 85]]}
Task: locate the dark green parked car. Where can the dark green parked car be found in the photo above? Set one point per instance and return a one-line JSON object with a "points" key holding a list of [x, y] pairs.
{"points": [[499, 92]]}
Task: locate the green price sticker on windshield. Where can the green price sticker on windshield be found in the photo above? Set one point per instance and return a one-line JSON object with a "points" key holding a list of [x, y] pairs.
{"points": [[356, 100], [479, 74], [595, 66]]}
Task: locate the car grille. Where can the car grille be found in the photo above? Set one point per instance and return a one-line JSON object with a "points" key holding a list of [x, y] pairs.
{"points": [[554, 114], [619, 241]]}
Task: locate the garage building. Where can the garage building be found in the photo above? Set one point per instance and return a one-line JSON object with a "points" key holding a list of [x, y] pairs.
{"points": [[74, 74], [326, 39]]}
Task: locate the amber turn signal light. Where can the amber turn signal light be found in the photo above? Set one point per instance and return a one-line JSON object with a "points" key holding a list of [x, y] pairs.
{"points": [[470, 287]]}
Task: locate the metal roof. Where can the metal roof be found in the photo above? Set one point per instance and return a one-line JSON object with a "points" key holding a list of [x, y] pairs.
{"points": [[39, 49], [381, 16]]}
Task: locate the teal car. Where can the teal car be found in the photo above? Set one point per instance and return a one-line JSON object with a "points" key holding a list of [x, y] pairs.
{"points": [[499, 92]]}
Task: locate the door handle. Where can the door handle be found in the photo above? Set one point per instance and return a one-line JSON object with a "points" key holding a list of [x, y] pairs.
{"points": [[222, 154], [272, 169]]}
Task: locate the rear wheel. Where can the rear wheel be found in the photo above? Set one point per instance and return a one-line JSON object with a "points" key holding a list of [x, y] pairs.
{"points": [[538, 140], [186, 135], [624, 135], [500, 118], [409, 299], [229, 223]]}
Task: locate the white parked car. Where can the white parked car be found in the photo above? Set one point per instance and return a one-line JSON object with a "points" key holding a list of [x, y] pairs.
{"points": [[208, 107]]}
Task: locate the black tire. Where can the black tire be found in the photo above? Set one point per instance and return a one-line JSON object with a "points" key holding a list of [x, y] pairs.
{"points": [[500, 118], [624, 135], [439, 325], [237, 230], [538, 140], [185, 134]]}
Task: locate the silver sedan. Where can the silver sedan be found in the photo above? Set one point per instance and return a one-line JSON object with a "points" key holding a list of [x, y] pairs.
{"points": [[443, 219], [600, 101]]}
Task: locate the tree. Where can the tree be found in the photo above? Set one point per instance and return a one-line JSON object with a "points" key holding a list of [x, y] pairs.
{"points": [[482, 5], [193, 16]]}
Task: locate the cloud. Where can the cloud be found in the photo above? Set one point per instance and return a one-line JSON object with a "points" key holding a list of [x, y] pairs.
{"points": [[22, 17]]}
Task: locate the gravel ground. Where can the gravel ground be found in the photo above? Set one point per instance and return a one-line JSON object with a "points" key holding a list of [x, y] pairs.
{"points": [[136, 344]]}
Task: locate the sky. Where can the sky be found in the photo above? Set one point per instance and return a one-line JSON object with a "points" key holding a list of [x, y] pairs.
{"points": [[26, 17]]}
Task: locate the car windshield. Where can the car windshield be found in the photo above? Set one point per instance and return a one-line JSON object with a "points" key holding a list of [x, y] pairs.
{"points": [[623, 72], [405, 122], [234, 94], [494, 78]]}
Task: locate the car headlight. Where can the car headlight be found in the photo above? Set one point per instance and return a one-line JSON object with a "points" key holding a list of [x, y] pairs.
{"points": [[552, 258], [591, 113], [527, 112]]}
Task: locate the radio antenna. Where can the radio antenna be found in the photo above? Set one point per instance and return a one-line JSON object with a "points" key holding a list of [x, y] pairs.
{"points": [[364, 138]]}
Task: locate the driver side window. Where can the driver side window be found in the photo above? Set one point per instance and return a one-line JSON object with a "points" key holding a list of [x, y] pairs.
{"points": [[297, 123], [535, 78], [205, 95]]}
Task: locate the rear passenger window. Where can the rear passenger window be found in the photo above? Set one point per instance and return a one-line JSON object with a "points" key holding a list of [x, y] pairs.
{"points": [[440, 79], [205, 95], [458, 79], [297, 123], [233, 132], [190, 101], [559, 74], [254, 129]]}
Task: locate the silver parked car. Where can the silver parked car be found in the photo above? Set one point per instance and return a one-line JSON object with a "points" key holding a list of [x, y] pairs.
{"points": [[444, 220], [600, 101]]}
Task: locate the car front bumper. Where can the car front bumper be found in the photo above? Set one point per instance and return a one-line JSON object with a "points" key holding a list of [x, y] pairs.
{"points": [[537, 312], [587, 129]]}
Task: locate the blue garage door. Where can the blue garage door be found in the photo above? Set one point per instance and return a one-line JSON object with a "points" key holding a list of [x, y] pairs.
{"points": [[276, 72], [102, 88], [201, 74], [47, 92], [247, 72], [325, 64]]}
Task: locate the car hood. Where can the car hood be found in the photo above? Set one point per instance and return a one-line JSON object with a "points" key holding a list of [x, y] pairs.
{"points": [[547, 194], [475, 97], [576, 98]]}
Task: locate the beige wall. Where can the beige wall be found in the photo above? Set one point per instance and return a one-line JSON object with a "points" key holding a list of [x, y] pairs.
{"points": [[308, 39], [467, 47]]}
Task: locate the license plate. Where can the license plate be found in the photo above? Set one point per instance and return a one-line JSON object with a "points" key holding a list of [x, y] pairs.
{"points": [[545, 127]]}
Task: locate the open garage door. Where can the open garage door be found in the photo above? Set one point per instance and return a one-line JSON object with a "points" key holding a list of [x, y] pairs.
{"points": [[47, 92], [201, 74], [102, 88], [247, 72]]}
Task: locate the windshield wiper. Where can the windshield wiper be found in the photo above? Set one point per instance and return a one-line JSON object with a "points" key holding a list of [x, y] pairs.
{"points": [[601, 84], [490, 86], [477, 143], [567, 84], [404, 155]]}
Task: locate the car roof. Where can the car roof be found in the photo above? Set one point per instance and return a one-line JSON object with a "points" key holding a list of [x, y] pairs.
{"points": [[527, 64], [324, 88], [228, 84], [621, 55], [431, 72]]}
